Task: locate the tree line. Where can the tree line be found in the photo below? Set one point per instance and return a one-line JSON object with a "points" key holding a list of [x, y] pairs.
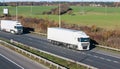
{"points": [[44, 3]]}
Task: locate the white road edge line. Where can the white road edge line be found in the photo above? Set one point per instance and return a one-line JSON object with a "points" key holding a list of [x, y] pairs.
{"points": [[106, 54], [11, 61]]}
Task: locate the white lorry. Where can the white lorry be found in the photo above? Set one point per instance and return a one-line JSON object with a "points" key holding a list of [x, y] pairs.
{"points": [[70, 38], [11, 26]]}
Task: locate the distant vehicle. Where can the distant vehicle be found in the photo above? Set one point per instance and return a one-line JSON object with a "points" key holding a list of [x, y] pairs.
{"points": [[71, 38], [11, 26]]}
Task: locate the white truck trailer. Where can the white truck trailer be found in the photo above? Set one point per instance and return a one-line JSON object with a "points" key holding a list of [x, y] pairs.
{"points": [[11, 26], [70, 38]]}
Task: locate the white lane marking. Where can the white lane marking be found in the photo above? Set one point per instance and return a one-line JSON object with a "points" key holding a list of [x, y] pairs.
{"points": [[11, 61], [89, 54], [30, 38], [108, 60], [101, 58], [107, 54], [115, 61], [96, 56], [30, 42], [83, 53]]}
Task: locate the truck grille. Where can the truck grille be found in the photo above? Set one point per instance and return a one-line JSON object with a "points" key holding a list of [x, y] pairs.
{"points": [[19, 31], [85, 45]]}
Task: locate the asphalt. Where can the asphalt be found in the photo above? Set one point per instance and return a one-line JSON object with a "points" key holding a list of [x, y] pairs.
{"points": [[6, 64], [12, 60], [95, 59]]}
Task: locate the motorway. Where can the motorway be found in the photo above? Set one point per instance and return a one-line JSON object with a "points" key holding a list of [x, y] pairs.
{"points": [[6, 64], [99, 60], [12, 60]]}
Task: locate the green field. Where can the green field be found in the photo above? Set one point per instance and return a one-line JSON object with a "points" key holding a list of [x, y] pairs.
{"points": [[105, 17]]}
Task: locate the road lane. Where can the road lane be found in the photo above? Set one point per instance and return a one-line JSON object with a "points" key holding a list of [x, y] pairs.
{"points": [[88, 57], [7, 64], [18, 60]]}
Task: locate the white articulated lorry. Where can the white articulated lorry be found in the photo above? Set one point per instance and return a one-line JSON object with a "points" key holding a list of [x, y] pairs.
{"points": [[11, 26], [70, 38]]}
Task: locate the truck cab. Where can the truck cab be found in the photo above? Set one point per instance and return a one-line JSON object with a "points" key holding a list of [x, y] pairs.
{"points": [[18, 29], [83, 43]]}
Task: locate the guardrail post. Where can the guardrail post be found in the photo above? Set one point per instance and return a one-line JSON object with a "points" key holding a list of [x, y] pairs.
{"points": [[11, 40]]}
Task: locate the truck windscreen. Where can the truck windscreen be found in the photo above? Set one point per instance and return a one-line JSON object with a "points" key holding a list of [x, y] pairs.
{"points": [[83, 39], [18, 27]]}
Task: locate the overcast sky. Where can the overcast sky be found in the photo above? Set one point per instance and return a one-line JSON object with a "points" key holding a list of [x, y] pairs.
{"points": [[61, 0]]}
